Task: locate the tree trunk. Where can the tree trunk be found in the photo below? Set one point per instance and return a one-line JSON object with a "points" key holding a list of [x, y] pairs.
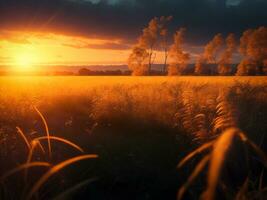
{"points": [[165, 62], [150, 61]]}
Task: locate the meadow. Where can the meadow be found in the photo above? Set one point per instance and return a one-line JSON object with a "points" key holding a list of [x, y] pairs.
{"points": [[133, 137]]}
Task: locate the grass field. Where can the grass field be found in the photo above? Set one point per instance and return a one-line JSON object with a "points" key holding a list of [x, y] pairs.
{"points": [[140, 128]]}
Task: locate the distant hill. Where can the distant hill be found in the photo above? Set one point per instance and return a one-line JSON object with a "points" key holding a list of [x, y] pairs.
{"points": [[210, 69]]}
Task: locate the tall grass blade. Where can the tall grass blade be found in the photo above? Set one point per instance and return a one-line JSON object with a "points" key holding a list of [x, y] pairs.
{"points": [[55, 169], [46, 129], [67, 194], [243, 190], [258, 151], [41, 146], [29, 158], [218, 154], [24, 138], [200, 166], [24, 166], [261, 181], [34, 144], [61, 140], [195, 152]]}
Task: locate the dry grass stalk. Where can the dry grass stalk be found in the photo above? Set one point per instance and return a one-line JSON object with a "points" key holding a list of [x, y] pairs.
{"points": [[46, 129], [55, 169], [220, 148], [195, 152], [34, 144], [67, 193], [257, 150], [200, 166], [241, 195], [61, 140], [24, 166], [24, 138]]}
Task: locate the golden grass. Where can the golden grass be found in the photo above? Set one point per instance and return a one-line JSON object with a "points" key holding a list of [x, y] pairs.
{"points": [[32, 145], [56, 169], [257, 150], [40, 145], [220, 148], [65, 141], [24, 166], [27, 142], [191, 103], [216, 159], [195, 152], [46, 129]]}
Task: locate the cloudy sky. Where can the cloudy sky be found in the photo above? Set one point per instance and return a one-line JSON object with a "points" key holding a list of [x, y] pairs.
{"points": [[103, 31]]}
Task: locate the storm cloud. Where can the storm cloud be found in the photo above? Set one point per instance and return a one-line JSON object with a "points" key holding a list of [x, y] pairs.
{"points": [[124, 19]]}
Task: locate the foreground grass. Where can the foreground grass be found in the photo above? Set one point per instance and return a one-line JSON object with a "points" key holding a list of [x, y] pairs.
{"points": [[140, 127]]}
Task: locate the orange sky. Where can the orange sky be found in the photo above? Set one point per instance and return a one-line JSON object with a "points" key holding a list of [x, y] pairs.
{"points": [[23, 49]]}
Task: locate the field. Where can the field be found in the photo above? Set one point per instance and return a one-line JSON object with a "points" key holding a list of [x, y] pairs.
{"points": [[136, 130]]}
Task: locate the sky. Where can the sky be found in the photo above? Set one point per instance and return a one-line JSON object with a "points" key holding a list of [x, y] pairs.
{"points": [[104, 31]]}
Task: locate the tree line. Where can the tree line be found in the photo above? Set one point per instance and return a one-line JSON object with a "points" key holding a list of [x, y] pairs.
{"points": [[219, 51]]}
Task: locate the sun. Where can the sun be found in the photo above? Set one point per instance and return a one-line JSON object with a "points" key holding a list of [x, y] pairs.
{"points": [[24, 61]]}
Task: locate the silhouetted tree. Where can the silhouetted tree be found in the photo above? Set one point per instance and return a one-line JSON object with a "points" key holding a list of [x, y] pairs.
{"points": [[253, 46], [137, 61], [147, 44], [179, 58], [224, 67], [164, 35], [149, 38], [210, 53]]}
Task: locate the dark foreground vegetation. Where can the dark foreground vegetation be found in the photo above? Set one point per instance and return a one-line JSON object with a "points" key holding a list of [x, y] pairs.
{"points": [[140, 131]]}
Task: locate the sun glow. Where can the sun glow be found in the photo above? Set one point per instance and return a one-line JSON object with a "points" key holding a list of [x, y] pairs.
{"points": [[25, 50], [24, 62]]}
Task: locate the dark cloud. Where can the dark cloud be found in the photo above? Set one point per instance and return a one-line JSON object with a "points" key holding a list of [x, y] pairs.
{"points": [[124, 19]]}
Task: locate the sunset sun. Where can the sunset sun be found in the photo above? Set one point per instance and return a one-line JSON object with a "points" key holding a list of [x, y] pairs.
{"points": [[24, 61]]}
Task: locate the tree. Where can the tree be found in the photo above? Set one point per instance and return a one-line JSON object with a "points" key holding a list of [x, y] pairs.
{"points": [[246, 67], [212, 49], [148, 40], [164, 21], [224, 67], [137, 61], [179, 58], [253, 47], [210, 54], [199, 66], [147, 44]]}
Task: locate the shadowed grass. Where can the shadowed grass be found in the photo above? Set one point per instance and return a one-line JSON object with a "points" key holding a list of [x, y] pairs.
{"points": [[24, 166], [34, 144], [67, 193], [54, 170], [200, 166], [194, 153], [217, 157], [220, 148]]}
